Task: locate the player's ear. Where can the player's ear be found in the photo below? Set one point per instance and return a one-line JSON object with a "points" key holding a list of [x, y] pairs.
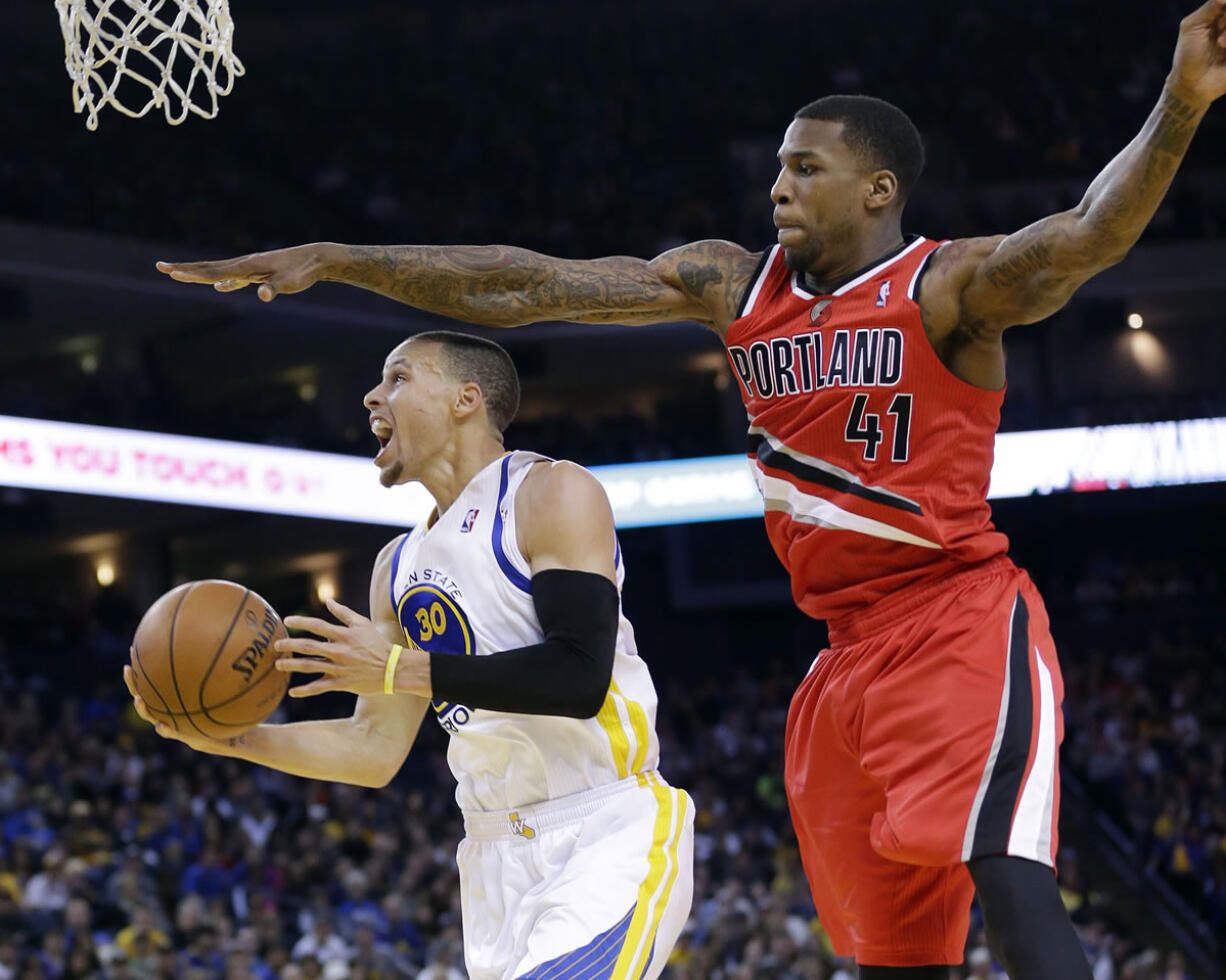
{"points": [[882, 190], [469, 399]]}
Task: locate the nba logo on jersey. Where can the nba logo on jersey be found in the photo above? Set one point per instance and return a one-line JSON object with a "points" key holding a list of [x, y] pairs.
{"points": [[469, 520], [883, 293]]}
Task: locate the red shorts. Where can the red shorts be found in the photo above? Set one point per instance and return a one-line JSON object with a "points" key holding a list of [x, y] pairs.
{"points": [[925, 737]]}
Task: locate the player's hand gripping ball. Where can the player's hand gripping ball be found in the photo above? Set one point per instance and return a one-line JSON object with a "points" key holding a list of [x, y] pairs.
{"points": [[202, 660]]}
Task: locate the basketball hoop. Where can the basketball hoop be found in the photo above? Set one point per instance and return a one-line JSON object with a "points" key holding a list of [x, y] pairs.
{"points": [[137, 55]]}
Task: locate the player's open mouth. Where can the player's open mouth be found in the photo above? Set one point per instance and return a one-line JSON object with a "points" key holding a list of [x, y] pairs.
{"points": [[383, 432]]}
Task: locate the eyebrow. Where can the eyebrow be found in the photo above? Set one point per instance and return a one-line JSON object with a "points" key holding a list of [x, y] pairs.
{"points": [[797, 154]]}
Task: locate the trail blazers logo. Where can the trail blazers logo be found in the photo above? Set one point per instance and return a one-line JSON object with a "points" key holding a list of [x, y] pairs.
{"points": [[820, 312]]}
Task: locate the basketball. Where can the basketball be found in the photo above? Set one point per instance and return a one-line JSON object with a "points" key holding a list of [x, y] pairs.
{"points": [[203, 658]]}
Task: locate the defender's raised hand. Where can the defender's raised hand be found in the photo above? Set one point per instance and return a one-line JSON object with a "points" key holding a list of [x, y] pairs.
{"points": [[285, 270], [1198, 73]]}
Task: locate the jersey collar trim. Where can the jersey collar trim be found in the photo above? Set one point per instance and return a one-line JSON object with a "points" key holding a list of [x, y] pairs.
{"points": [[800, 290]]}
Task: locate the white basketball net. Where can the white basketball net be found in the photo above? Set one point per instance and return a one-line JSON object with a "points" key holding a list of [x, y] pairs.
{"points": [[137, 55]]}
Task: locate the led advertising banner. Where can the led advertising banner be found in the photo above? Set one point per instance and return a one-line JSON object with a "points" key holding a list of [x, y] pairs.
{"points": [[89, 459]]}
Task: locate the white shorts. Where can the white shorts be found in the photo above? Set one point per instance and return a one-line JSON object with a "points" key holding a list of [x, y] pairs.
{"points": [[592, 886]]}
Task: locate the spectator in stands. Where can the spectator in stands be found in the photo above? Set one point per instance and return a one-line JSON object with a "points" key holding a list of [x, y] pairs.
{"points": [[321, 941], [46, 893]]}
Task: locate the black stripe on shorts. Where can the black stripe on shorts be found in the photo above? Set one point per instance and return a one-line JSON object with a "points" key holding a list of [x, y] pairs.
{"points": [[996, 813]]}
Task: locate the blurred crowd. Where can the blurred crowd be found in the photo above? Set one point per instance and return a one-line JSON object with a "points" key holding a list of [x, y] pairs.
{"points": [[1146, 715], [123, 855]]}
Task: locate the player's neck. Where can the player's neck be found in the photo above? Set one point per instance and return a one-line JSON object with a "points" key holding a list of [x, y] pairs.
{"points": [[866, 254], [452, 471]]}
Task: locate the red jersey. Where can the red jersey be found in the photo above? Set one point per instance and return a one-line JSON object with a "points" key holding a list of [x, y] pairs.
{"points": [[873, 459]]}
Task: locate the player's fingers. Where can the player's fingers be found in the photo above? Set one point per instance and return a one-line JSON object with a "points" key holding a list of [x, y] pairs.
{"points": [[198, 271], [342, 612], [229, 285], [1204, 14], [165, 731], [179, 273], [139, 704], [304, 665], [318, 654], [289, 281], [309, 690], [312, 624], [129, 679]]}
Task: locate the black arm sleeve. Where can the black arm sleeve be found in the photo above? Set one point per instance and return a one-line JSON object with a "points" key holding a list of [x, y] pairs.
{"points": [[568, 674]]}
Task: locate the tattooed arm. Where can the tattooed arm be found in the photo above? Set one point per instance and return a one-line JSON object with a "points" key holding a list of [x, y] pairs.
{"points": [[981, 286], [502, 286]]}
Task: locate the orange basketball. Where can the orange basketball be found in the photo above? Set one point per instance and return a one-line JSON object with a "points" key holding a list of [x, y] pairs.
{"points": [[203, 659]]}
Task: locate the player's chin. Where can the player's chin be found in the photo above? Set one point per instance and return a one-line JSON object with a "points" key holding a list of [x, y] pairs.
{"points": [[391, 474], [799, 258]]}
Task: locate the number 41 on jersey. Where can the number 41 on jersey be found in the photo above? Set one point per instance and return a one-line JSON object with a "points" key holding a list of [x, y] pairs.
{"points": [[865, 427]]}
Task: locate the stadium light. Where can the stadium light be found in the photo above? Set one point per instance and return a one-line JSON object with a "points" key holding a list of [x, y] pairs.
{"points": [[325, 588]]}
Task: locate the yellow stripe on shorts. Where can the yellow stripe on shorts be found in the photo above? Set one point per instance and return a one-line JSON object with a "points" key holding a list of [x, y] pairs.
{"points": [[655, 889]]}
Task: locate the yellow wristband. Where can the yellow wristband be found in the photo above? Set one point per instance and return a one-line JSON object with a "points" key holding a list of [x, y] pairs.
{"points": [[389, 672]]}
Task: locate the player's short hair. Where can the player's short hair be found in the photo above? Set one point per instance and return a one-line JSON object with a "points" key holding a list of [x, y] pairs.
{"points": [[486, 364], [880, 133]]}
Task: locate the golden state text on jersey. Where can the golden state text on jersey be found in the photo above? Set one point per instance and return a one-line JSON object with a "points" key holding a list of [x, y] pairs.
{"points": [[872, 457]]}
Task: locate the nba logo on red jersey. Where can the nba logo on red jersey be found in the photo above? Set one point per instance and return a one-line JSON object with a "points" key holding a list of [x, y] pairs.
{"points": [[883, 294], [469, 520]]}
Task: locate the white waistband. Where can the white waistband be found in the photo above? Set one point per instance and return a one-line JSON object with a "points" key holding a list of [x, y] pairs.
{"points": [[528, 821]]}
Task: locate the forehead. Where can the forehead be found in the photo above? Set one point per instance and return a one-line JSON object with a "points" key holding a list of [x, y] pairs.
{"points": [[412, 354], [815, 137]]}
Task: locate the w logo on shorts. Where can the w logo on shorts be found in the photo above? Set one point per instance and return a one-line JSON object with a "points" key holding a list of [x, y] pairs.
{"points": [[519, 827]]}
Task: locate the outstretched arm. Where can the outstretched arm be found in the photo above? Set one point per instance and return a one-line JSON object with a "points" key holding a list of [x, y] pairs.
{"points": [[503, 286], [365, 749], [981, 286]]}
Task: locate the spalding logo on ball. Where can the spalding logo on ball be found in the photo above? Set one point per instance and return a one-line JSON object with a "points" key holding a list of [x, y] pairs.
{"points": [[203, 659], [247, 662]]}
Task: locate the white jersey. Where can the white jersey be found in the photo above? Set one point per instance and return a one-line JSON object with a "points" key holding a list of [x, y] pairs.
{"points": [[461, 586]]}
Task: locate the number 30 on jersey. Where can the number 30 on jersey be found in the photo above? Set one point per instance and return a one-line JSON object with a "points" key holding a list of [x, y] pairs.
{"points": [[434, 621]]}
